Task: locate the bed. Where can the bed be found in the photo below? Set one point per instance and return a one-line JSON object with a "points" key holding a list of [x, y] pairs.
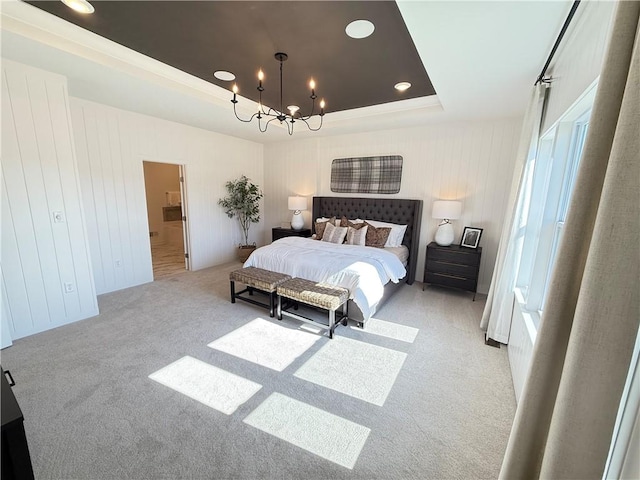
{"points": [[295, 256]]}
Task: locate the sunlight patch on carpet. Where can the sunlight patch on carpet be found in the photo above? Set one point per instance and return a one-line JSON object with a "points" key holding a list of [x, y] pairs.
{"points": [[322, 433], [266, 343], [389, 330], [357, 369], [209, 385]]}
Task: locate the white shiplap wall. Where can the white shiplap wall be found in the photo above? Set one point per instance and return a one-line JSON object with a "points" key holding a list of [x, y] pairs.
{"points": [[472, 162], [578, 61], [111, 146], [47, 279]]}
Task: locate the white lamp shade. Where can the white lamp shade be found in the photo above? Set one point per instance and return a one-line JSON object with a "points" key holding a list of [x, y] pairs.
{"points": [[449, 209], [297, 203]]}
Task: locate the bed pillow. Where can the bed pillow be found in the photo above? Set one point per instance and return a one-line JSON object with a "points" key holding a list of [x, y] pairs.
{"points": [[376, 236], [334, 234], [320, 225], [345, 222], [357, 235], [397, 232]]}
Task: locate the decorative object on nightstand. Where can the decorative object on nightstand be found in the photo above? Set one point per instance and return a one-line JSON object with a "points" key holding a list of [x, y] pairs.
{"points": [[297, 204], [278, 233], [446, 210], [453, 266], [471, 237]]}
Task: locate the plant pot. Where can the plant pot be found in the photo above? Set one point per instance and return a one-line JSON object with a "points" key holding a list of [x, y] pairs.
{"points": [[244, 251]]}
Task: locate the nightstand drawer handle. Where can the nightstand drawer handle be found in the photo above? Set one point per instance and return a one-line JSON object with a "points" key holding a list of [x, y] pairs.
{"points": [[450, 276], [452, 263]]}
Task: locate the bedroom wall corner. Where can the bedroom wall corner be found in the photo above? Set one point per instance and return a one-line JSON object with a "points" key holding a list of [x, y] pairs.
{"points": [[112, 144], [291, 168]]}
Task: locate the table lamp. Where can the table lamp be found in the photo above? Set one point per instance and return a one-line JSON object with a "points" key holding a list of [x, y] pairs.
{"points": [[445, 210], [297, 204]]}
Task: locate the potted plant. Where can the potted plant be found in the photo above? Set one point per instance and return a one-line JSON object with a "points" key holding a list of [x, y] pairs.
{"points": [[243, 201]]}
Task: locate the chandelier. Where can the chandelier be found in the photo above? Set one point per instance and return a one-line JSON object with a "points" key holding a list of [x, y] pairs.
{"points": [[265, 117]]}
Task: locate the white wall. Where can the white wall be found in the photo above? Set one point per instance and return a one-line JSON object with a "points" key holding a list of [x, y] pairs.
{"points": [[472, 162], [111, 146], [47, 279]]}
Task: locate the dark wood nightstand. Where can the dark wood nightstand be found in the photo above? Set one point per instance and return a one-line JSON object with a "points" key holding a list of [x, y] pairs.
{"points": [[278, 232], [453, 266]]}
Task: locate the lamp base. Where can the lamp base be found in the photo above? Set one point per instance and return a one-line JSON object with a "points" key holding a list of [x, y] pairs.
{"points": [[444, 234], [297, 222]]}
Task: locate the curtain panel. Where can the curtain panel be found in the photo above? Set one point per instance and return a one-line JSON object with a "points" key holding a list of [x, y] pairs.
{"points": [[496, 318]]}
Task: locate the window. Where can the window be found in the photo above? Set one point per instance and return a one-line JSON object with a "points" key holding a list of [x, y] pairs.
{"points": [[579, 137], [549, 181]]}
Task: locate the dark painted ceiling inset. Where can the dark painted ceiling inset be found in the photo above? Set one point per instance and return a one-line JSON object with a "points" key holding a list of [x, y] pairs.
{"points": [[241, 37]]}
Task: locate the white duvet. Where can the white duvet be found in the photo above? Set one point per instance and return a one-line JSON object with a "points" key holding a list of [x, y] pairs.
{"points": [[362, 270]]}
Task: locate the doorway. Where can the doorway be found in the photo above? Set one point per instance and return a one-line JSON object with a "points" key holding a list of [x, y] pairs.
{"points": [[166, 213]]}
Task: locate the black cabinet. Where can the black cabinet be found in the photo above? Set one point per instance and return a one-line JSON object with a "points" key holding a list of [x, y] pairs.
{"points": [[453, 266], [16, 462], [277, 233]]}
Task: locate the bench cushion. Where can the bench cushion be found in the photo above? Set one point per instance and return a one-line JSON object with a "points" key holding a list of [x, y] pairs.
{"points": [[259, 278], [312, 293]]}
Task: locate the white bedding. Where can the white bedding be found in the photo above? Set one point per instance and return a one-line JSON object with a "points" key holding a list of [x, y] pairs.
{"points": [[362, 270]]}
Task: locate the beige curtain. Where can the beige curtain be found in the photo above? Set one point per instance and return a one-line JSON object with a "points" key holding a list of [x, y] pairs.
{"points": [[496, 317], [565, 419]]}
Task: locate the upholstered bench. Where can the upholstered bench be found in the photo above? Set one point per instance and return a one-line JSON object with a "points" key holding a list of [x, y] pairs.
{"points": [[326, 297], [256, 279]]}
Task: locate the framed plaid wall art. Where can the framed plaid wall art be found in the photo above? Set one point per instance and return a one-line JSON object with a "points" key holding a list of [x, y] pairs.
{"points": [[381, 174]]}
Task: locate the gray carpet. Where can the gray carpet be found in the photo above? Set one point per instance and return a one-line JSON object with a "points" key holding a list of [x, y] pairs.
{"points": [[91, 410]]}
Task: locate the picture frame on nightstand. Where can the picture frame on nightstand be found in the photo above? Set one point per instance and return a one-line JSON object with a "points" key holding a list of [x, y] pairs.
{"points": [[471, 237]]}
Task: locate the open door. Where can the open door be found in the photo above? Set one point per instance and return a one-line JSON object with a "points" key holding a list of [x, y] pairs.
{"points": [[166, 212], [185, 224]]}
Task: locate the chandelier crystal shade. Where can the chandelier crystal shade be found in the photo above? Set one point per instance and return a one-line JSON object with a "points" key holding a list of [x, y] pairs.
{"points": [[265, 117]]}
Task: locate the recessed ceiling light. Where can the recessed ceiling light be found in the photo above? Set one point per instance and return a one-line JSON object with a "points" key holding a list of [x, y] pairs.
{"points": [[402, 86], [224, 75], [360, 29], [81, 6]]}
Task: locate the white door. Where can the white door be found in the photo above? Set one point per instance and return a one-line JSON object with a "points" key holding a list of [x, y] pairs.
{"points": [[185, 223]]}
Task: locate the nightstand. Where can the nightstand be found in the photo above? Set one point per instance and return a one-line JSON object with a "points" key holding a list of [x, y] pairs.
{"points": [[453, 266], [278, 232]]}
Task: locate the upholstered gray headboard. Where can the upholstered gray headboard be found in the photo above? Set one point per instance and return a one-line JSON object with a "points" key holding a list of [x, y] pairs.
{"points": [[392, 210]]}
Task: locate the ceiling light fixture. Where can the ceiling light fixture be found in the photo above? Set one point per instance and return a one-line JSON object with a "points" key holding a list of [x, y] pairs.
{"points": [[402, 86], [224, 75], [360, 29], [81, 6], [279, 115]]}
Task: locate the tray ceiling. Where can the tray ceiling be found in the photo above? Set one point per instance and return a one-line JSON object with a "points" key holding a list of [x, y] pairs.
{"points": [[241, 37]]}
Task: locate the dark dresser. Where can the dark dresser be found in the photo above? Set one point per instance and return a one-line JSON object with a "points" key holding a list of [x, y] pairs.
{"points": [[277, 233], [16, 462], [453, 266]]}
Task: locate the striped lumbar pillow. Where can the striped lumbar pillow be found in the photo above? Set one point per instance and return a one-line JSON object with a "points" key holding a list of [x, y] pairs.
{"points": [[357, 236], [334, 234]]}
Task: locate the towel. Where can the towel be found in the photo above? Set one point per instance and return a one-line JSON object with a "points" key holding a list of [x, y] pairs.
{"points": [[173, 198]]}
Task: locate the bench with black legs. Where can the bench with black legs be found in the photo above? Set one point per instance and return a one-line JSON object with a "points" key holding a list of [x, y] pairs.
{"points": [[256, 280], [324, 297]]}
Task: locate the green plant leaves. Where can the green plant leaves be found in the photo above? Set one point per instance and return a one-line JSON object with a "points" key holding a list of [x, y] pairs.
{"points": [[242, 200]]}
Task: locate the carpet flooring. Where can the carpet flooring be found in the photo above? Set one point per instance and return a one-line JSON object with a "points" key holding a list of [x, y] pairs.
{"points": [[93, 409]]}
